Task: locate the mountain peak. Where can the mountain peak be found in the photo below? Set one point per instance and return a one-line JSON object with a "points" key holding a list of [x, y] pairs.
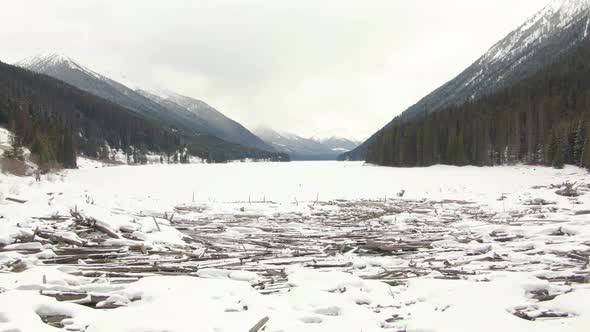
{"points": [[569, 6], [47, 60], [552, 19], [334, 134], [54, 62], [554, 30], [302, 148]]}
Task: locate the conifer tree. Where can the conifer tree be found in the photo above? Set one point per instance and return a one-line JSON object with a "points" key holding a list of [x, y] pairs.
{"points": [[579, 143]]}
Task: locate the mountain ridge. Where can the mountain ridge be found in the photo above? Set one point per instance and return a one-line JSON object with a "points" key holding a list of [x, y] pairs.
{"points": [[229, 129], [302, 148], [553, 30], [70, 71]]}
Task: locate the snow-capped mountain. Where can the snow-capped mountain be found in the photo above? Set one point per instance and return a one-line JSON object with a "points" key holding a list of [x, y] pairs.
{"points": [[52, 62], [70, 71], [215, 122], [336, 134], [553, 31], [205, 121], [301, 148]]}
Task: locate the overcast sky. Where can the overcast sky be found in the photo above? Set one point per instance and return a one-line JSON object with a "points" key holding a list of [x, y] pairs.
{"points": [[303, 66]]}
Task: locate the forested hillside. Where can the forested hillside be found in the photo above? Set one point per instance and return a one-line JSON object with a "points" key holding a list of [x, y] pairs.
{"points": [[554, 31], [543, 119], [192, 116], [58, 121]]}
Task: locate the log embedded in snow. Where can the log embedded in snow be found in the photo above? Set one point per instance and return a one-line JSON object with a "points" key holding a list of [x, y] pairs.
{"points": [[34, 234], [259, 325], [104, 228], [58, 238], [393, 247], [157, 225], [16, 200], [96, 224]]}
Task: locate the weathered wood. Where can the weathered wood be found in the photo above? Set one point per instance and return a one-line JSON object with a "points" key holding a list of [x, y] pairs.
{"points": [[34, 234], [394, 247], [103, 227], [56, 238], [16, 200], [157, 225], [259, 325]]}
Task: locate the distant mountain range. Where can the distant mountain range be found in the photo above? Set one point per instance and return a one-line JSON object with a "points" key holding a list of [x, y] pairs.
{"points": [[553, 31], [59, 110], [180, 111], [301, 148], [189, 115]]}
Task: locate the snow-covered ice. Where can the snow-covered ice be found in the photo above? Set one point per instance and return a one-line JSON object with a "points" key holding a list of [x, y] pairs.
{"points": [[313, 246]]}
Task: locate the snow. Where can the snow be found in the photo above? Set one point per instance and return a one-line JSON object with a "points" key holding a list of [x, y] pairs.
{"points": [[4, 140], [556, 15], [44, 61], [500, 237], [52, 59], [336, 134], [125, 186]]}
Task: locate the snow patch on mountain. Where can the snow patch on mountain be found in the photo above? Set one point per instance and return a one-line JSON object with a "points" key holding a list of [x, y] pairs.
{"points": [[189, 114], [553, 30], [331, 134], [320, 147], [47, 61], [553, 17]]}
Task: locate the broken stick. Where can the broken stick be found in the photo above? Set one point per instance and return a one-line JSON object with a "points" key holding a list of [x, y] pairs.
{"points": [[259, 325]]}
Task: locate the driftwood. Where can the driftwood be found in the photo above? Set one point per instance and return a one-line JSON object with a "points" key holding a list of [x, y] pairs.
{"points": [[96, 224], [34, 234], [259, 325], [157, 225], [102, 227], [56, 238], [88, 299], [16, 200], [395, 247], [326, 239]]}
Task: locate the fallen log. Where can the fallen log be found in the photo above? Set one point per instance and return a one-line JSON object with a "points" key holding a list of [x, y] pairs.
{"points": [[16, 200], [57, 238], [386, 247], [95, 224], [157, 225], [104, 228], [34, 234], [259, 325]]}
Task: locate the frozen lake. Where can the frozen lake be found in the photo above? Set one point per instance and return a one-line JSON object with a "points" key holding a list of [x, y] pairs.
{"points": [[306, 181]]}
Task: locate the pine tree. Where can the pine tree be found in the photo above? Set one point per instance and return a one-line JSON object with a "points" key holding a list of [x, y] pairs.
{"points": [[16, 149], [559, 156], [579, 144]]}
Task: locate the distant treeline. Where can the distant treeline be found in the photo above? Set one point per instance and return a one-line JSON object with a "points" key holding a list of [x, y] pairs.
{"points": [[542, 119], [58, 121]]}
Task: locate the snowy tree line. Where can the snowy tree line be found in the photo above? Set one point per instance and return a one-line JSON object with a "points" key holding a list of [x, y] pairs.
{"points": [[58, 122], [542, 119]]}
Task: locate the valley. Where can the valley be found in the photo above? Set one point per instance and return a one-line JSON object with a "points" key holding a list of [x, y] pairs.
{"points": [[198, 189]]}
